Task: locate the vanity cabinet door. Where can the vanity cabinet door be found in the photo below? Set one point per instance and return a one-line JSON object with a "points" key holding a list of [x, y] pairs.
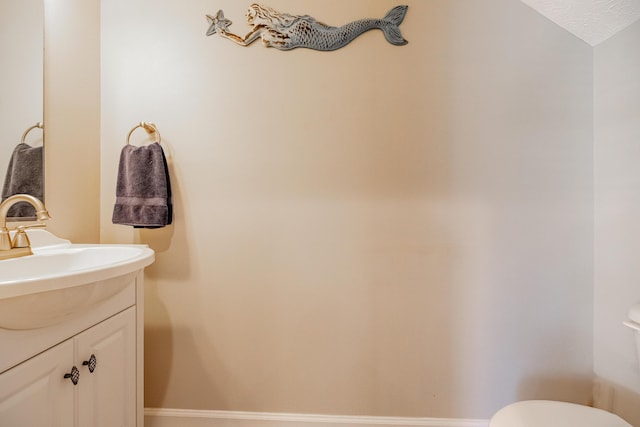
{"points": [[36, 392], [106, 357]]}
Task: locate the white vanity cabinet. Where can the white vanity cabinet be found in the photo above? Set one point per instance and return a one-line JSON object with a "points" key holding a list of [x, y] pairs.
{"points": [[38, 366], [107, 396], [33, 393]]}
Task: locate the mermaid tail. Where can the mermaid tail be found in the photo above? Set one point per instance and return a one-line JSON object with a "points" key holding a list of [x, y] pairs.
{"points": [[309, 33], [391, 26]]}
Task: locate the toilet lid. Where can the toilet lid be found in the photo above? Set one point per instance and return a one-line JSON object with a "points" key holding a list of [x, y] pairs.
{"points": [[545, 413]]}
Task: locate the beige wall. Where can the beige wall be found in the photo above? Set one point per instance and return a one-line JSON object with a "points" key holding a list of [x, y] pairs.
{"points": [[617, 204], [377, 230]]}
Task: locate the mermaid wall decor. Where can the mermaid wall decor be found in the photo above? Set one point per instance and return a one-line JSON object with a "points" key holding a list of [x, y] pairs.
{"points": [[285, 32]]}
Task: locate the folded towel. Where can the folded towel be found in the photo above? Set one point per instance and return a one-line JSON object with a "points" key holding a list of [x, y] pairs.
{"points": [[24, 176], [143, 189]]}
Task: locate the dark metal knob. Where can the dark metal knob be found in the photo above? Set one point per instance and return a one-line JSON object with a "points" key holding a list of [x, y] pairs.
{"points": [[91, 363], [74, 375]]}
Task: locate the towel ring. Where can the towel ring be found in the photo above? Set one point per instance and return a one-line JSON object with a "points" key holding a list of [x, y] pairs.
{"points": [[149, 127], [38, 125]]}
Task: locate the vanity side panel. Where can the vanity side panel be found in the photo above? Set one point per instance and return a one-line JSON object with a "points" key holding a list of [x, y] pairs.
{"points": [[140, 349]]}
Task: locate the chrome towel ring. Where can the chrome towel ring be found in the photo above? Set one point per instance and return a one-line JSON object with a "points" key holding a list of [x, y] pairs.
{"points": [[38, 125]]}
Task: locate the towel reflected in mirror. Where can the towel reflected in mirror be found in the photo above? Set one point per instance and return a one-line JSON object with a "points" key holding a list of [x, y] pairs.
{"points": [[24, 176]]}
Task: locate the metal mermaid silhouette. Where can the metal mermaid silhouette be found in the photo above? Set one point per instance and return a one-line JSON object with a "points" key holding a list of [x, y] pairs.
{"points": [[285, 32]]}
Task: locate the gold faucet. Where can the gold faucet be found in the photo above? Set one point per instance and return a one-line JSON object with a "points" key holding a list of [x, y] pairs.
{"points": [[20, 245]]}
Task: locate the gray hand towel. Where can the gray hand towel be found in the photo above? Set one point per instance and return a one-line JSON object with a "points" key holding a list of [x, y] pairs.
{"points": [[143, 189], [24, 176]]}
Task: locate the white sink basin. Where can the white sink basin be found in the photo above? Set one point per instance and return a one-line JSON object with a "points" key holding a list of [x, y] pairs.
{"points": [[61, 278]]}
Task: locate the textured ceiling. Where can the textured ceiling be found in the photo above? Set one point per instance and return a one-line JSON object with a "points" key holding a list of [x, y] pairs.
{"points": [[591, 20]]}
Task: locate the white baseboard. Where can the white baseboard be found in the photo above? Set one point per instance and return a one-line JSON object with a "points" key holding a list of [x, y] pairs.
{"points": [[191, 418]]}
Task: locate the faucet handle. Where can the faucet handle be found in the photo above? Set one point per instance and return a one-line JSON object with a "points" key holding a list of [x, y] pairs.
{"points": [[21, 240]]}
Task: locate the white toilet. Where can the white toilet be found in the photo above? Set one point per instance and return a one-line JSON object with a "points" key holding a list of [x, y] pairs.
{"points": [[546, 413]]}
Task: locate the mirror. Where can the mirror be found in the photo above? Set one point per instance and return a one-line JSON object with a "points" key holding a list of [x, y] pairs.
{"points": [[21, 99]]}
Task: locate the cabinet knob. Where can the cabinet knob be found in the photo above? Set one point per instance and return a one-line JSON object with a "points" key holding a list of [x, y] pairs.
{"points": [[74, 375], [91, 363]]}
